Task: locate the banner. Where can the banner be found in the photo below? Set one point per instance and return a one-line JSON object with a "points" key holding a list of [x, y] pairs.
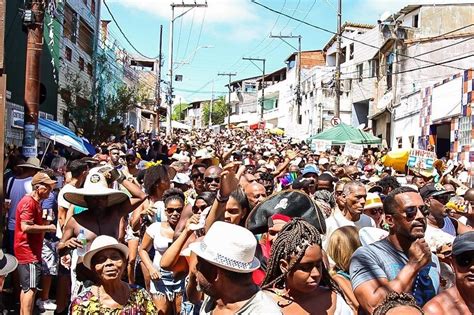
{"points": [[320, 145], [354, 150], [421, 160]]}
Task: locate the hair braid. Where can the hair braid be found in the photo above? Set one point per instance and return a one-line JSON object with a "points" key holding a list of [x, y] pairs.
{"points": [[293, 240]]}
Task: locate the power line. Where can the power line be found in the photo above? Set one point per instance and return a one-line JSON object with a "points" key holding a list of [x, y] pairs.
{"points": [[123, 34], [342, 36]]}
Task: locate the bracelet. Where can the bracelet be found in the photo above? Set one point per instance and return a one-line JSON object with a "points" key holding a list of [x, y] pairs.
{"points": [[221, 199]]}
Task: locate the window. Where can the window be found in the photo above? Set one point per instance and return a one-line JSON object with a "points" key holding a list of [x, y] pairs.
{"points": [[414, 21], [70, 24], [351, 51], [250, 87], [360, 71], [389, 61], [399, 142], [89, 69], [374, 68], [81, 63], [412, 141], [93, 7], [86, 37], [68, 53], [464, 131], [82, 102], [343, 55]]}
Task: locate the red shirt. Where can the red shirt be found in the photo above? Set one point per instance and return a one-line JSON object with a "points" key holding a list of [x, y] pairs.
{"points": [[28, 246]]}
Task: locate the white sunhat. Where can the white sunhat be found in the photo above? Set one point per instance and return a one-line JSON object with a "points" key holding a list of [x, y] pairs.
{"points": [[100, 243], [228, 246], [95, 186], [373, 201], [181, 178], [8, 263]]}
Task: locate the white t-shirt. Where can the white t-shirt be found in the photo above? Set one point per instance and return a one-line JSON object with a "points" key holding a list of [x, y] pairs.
{"points": [[63, 203], [337, 220], [20, 187]]}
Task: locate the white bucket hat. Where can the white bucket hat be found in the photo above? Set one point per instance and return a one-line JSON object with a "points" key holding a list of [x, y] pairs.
{"points": [[8, 263], [100, 243], [95, 186], [228, 246]]}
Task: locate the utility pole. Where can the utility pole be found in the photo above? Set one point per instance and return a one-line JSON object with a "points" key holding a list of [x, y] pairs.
{"points": [[212, 103], [337, 107], [3, 84], [169, 99], [158, 84], [263, 81], [298, 72], [228, 105], [33, 20]]}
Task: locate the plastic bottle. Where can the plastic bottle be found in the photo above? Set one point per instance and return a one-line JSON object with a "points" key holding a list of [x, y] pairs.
{"points": [[82, 239]]}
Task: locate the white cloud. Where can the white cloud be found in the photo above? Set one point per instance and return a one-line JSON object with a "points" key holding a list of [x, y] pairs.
{"points": [[218, 11]]}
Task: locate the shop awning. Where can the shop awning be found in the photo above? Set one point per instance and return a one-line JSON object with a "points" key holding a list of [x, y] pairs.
{"points": [[342, 133], [177, 125], [56, 132]]}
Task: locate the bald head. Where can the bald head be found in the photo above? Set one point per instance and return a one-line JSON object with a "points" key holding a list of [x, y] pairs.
{"points": [[256, 193], [469, 195]]}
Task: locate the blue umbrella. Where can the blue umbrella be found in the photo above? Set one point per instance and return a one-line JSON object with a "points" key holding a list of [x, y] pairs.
{"points": [[56, 132]]}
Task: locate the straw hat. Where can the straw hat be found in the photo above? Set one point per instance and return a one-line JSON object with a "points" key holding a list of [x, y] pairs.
{"points": [[228, 246], [100, 243], [32, 162], [95, 186]]}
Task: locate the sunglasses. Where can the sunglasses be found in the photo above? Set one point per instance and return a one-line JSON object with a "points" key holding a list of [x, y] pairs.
{"points": [[196, 209], [465, 259], [411, 212], [442, 198], [376, 211], [212, 179], [197, 176], [172, 210]]}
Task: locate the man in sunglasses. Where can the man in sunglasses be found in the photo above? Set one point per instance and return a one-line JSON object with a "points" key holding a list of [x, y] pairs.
{"points": [[458, 300], [402, 262], [212, 178], [436, 197]]}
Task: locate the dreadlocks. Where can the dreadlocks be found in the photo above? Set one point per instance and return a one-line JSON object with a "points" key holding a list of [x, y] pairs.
{"points": [[293, 240], [395, 299]]}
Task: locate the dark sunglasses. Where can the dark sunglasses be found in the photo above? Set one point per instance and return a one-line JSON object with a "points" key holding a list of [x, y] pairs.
{"points": [[442, 198], [465, 259], [376, 211], [212, 179], [172, 210], [196, 209], [197, 176], [411, 212]]}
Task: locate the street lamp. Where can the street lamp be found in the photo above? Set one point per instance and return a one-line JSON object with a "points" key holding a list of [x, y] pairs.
{"points": [[188, 60]]}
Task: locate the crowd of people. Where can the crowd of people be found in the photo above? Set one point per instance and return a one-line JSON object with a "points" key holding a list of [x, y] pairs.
{"points": [[240, 222]]}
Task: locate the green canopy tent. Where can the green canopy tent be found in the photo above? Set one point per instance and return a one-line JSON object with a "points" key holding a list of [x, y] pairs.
{"points": [[342, 133]]}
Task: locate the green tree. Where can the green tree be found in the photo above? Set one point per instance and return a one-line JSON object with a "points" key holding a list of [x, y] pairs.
{"points": [[97, 124], [178, 111], [219, 112]]}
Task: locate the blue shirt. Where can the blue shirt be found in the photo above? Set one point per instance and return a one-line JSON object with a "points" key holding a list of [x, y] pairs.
{"points": [[382, 260]]}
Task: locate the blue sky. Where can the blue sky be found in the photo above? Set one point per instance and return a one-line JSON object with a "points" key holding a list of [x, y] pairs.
{"points": [[234, 29]]}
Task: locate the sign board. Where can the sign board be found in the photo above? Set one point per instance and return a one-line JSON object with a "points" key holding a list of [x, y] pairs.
{"points": [[335, 121], [16, 119], [354, 150], [421, 160], [320, 145]]}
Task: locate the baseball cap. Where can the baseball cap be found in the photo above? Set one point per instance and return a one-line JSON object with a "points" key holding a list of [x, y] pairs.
{"points": [[310, 169], [42, 178], [463, 243], [431, 189]]}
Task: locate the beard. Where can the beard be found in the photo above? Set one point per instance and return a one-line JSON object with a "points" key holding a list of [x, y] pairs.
{"points": [[205, 287]]}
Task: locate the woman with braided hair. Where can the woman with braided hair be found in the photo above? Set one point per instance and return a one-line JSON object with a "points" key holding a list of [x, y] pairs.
{"points": [[297, 276]]}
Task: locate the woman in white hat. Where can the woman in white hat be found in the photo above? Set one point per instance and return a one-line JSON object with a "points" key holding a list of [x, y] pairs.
{"points": [[107, 258], [374, 208]]}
